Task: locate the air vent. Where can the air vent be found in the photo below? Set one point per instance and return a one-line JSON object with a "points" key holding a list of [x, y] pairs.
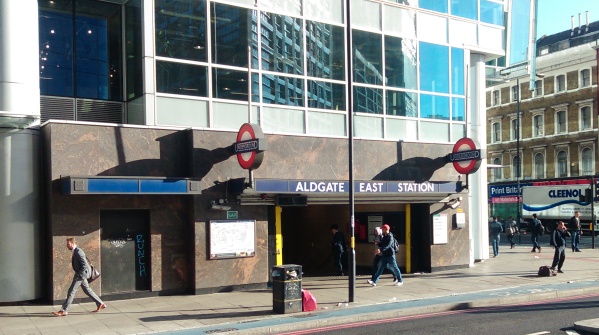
{"points": [[99, 111], [57, 108]]}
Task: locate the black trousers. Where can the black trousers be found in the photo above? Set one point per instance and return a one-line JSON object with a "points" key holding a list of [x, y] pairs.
{"points": [[559, 257]]}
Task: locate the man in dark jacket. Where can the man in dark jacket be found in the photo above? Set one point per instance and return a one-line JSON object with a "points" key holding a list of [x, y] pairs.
{"points": [[558, 240], [388, 257], [576, 232], [495, 229], [338, 247], [535, 227]]}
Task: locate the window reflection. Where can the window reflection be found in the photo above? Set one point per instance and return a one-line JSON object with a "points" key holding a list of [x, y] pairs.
{"points": [[402, 103], [368, 100], [325, 95], [457, 71], [491, 11], [325, 50], [434, 68], [282, 90], [436, 5], [457, 109], [181, 29], [184, 79], [465, 8], [230, 84], [231, 31], [434, 107], [367, 51], [400, 62], [282, 43]]}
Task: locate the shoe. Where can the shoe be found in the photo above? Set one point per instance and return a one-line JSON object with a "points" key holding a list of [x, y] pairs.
{"points": [[101, 307], [395, 280], [399, 283], [577, 250], [61, 313], [560, 271], [539, 249], [533, 250], [371, 282]]}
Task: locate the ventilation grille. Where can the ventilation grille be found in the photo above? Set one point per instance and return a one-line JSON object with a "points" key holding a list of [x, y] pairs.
{"points": [[60, 108], [99, 111], [57, 108]]}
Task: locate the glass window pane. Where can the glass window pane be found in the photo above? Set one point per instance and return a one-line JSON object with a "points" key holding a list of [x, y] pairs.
{"points": [[457, 71], [368, 127], [326, 124], [434, 68], [457, 131], [133, 49], [368, 58], [436, 5], [539, 166], [587, 162], [282, 90], [325, 10], [402, 129], [400, 62], [282, 43], [229, 116], [434, 131], [293, 7], [434, 107], [184, 79], [465, 8], [368, 100], [400, 21], [325, 95], [326, 50], [402, 103], [181, 29], [458, 109], [232, 28], [56, 52], [520, 28], [491, 12], [366, 14], [229, 84], [280, 120], [181, 112]]}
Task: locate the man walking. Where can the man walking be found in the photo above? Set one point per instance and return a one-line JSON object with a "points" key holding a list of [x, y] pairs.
{"points": [[388, 257], [536, 227], [338, 247], [495, 229], [558, 240], [82, 273], [576, 231]]}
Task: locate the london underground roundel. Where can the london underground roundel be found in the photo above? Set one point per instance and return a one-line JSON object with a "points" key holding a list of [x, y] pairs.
{"points": [[465, 156], [250, 146]]}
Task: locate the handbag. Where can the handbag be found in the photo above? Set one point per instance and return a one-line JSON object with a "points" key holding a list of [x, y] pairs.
{"points": [[95, 274]]}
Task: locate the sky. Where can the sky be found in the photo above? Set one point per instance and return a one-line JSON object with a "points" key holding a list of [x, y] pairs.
{"points": [[555, 15]]}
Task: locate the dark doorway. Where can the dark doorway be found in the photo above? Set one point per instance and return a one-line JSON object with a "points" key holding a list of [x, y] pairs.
{"points": [[125, 250], [421, 238]]}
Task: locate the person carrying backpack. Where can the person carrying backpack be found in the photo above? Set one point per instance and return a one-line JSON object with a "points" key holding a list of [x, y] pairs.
{"points": [[378, 236], [387, 250], [558, 240], [536, 229]]}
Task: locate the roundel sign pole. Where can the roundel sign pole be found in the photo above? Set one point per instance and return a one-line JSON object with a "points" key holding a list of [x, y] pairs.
{"points": [[465, 156], [250, 146]]}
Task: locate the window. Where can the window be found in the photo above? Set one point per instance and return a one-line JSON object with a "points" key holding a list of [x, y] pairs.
{"points": [[496, 135], [537, 125], [539, 161], [586, 164], [562, 164], [561, 122], [516, 168], [515, 129], [515, 93], [495, 100], [560, 83], [538, 88], [497, 170], [586, 119], [585, 78]]}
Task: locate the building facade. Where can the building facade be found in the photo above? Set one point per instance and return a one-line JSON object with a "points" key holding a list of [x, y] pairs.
{"points": [[557, 139], [130, 123]]}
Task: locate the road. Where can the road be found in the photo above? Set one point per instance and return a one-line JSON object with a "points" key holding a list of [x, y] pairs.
{"points": [[542, 317]]}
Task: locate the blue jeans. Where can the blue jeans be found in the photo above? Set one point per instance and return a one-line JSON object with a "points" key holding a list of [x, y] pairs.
{"points": [[535, 242], [375, 265], [575, 240], [385, 261], [495, 241]]}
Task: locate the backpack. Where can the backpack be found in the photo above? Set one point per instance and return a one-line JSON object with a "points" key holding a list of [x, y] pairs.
{"points": [[540, 229], [395, 245], [545, 271]]}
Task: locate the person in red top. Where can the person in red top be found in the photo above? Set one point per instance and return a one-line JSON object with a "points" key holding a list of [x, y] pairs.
{"points": [[388, 258]]}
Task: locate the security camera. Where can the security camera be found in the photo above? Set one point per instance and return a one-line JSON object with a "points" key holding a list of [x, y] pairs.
{"points": [[455, 205]]}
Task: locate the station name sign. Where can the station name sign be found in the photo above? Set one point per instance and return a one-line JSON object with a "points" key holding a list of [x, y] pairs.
{"points": [[317, 186]]}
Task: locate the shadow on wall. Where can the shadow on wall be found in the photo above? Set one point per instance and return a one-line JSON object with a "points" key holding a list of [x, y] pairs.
{"points": [[418, 169]]}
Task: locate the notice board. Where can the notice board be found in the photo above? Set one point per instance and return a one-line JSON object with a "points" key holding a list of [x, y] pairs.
{"points": [[232, 238]]}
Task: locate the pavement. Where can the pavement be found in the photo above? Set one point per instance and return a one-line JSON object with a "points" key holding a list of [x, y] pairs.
{"points": [[510, 278]]}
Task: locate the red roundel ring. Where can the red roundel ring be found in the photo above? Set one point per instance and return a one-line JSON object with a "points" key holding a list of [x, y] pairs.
{"points": [[246, 159], [465, 167]]}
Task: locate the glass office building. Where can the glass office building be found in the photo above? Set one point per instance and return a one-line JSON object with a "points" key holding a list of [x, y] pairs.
{"points": [[149, 89]]}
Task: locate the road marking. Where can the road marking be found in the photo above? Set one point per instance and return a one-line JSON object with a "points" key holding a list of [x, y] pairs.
{"points": [[539, 333], [572, 332]]}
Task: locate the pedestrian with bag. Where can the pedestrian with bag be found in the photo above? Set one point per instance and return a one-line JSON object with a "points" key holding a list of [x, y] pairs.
{"points": [[82, 274], [338, 248], [387, 249], [558, 240], [576, 231], [378, 236], [495, 229], [537, 229], [511, 230]]}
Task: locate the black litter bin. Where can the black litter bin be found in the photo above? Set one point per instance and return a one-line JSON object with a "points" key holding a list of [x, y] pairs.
{"points": [[287, 288]]}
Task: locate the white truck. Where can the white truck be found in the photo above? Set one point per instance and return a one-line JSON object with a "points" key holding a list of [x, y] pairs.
{"points": [[557, 203]]}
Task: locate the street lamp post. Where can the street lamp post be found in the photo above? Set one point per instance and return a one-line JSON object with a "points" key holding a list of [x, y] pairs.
{"points": [[519, 194]]}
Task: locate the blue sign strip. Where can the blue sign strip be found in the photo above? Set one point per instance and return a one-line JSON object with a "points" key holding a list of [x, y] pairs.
{"points": [[320, 186]]}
